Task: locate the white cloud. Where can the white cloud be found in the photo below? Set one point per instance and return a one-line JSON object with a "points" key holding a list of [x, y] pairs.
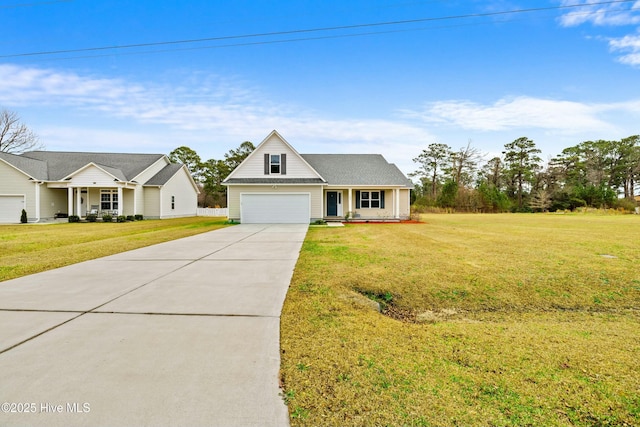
{"points": [[202, 110], [630, 46], [601, 15], [565, 117]]}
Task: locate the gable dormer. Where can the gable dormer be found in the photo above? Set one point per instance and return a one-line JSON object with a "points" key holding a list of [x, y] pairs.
{"points": [[274, 157]]}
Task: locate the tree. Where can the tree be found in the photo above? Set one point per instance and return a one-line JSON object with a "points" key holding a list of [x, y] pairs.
{"points": [[432, 161], [522, 162], [190, 159], [15, 136], [234, 157], [464, 164]]}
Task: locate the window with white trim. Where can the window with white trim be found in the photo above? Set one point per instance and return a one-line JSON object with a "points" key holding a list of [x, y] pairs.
{"points": [[370, 199], [275, 163], [109, 200]]}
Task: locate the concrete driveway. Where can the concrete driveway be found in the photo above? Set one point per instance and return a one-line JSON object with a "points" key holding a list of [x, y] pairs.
{"points": [[184, 333]]}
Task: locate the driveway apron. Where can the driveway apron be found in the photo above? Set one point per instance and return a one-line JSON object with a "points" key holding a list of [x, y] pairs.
{"points": [[184, 333]]}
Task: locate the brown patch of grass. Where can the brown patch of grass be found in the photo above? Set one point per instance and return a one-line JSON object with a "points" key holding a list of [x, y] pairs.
{"points": [[515, 320], [28, 249]]}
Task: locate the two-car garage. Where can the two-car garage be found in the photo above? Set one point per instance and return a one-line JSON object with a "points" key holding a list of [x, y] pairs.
{"points": [[275, 208]]}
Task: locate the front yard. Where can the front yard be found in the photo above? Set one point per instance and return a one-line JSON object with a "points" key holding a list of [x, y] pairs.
{"points": [[487, 320], [31, 248]]}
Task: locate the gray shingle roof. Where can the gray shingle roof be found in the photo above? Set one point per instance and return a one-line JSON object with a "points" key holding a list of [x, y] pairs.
{"points": [[164, 175], [357, 169], [61, 164], [35, 168]]}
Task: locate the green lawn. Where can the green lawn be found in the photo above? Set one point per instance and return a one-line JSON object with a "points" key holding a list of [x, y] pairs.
{"points": [[487, 320], [31, 248]]}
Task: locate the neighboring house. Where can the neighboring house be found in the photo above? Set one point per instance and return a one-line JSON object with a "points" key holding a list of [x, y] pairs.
{"points": [[49, 183], [275, 184]]}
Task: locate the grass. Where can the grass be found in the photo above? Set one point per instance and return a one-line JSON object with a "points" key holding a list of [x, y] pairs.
{"points": [[488, 320], [27, 249]]}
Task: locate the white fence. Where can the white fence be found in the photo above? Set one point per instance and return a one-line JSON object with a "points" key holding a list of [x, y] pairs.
{"points": [[213, 212]]}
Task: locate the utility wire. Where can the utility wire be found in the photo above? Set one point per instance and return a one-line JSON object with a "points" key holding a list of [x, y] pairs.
{"points": [[313, 30]]}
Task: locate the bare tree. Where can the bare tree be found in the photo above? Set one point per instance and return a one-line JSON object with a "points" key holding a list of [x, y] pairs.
{"points": [[15, 136]]}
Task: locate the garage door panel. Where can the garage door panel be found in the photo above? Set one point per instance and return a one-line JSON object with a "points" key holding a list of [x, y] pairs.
{"points": [[275, 208], [11, 208]]}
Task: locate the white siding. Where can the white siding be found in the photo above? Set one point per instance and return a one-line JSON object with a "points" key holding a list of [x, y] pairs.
{"points": [[185, 198], [152, 202], [253, 167], [92, 177]]}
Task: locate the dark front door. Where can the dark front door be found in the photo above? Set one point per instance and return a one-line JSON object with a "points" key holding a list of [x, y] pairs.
{"points": [[332, 203]]}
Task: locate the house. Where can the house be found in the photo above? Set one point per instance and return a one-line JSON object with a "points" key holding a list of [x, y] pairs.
{"points": [[49, 183], [276, 184]]}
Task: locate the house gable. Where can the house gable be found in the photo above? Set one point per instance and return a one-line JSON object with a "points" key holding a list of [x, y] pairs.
{"points": [[93, 175], [293, 166]]}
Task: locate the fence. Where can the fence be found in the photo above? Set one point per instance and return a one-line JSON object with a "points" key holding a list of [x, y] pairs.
{"points": [[213, 212]]}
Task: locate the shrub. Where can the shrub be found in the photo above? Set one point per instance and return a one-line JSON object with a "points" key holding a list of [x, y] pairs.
{"points": [[138, 217], [92, 218], [23, 217], [121, 218], [107, 218], [74, 218], [130, 218]]}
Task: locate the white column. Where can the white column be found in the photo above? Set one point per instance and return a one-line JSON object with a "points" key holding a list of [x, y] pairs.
{"points": [[396, 197], [120, 201], [70, 201], [78, 202], [322, 193], [135, 201], [350, 201], [38, 184]]}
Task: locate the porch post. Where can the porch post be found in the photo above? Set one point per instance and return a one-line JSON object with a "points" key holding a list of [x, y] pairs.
{"points": [[322, 195], [120, 201], [135, 202], [350, 202], [70, 201], [38, 184], [78, 202], [396, 197]]}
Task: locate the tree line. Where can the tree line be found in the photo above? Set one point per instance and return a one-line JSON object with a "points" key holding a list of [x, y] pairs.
{"points": [[599, 174]]}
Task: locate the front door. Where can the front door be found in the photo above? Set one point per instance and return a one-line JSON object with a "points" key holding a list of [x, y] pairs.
{"points": [[332, 203]]}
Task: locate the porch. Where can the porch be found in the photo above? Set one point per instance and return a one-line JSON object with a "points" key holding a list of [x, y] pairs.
{"points": [[366, 204], [114, 201]]}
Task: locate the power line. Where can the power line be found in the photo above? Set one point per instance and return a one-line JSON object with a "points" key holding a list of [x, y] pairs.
{"points": [[312, 30]]}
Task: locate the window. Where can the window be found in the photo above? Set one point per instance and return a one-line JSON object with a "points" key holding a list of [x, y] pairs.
{"points": [[109, 200], [370, 199], [173, 202], [275, 163]]}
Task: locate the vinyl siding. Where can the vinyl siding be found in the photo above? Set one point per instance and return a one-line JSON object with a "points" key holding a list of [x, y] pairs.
{"points": [[186, 199], [92, 176], [253, 167], [152, 202]]}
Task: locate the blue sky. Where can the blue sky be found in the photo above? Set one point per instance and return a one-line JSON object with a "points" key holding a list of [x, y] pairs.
{"points": [[442, 71]]}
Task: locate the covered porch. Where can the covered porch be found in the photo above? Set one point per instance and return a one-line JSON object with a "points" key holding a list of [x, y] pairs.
{"points": [[114, 201], [366, 204]]}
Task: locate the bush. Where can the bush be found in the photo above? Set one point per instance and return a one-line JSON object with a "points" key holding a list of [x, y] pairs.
{"points": [[130, 218], [23, 217], [92, 218], [74, 218], [121, 218], [107, 218], [138, 217]]}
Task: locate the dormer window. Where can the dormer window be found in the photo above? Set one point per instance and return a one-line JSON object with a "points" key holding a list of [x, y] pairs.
{"points": [[275, 164]]}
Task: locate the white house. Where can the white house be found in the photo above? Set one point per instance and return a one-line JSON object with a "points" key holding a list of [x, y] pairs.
{"points": [[276, 184], [49, 183]]}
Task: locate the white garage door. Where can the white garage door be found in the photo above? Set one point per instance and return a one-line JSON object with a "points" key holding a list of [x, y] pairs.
{"points": [[275, 208], [11, 208]]}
